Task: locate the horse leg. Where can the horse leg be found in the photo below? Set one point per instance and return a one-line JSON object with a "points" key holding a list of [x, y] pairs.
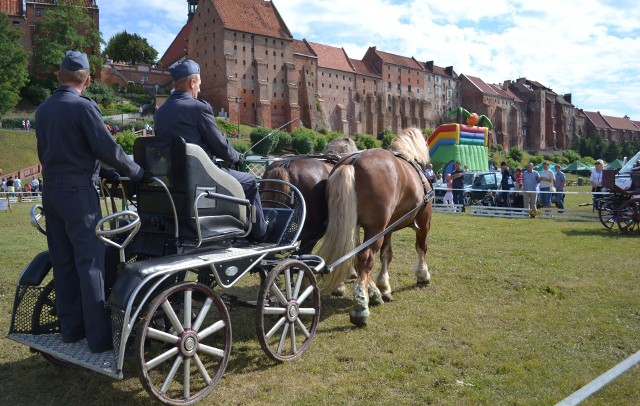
{"points": [[420, 267], [359, 314], [386, 255]]}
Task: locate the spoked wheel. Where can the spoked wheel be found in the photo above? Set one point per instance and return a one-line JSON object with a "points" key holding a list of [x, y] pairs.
{"points": [[183, 344], [288, 310], [607, 214], [628, 216], [44, 320]]}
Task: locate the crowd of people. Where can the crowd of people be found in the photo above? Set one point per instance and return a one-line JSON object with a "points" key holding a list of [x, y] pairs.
{"points": [[17, 187]]}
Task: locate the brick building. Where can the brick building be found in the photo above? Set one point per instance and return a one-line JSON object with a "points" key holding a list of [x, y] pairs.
{"points": [[24, 14]]}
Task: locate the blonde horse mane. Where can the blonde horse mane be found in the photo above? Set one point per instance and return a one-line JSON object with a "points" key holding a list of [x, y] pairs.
{"points": [[411, 143]]}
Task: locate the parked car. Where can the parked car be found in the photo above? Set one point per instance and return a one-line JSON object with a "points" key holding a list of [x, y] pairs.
{"points": [[476, 185]]}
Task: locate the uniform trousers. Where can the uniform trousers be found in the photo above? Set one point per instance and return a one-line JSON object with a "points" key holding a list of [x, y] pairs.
{"points": [[71, 213], [250, 188]]}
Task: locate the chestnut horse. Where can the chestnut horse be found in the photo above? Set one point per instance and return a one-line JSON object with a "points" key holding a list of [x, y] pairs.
{"points": [[373, 190], [309, 174]]}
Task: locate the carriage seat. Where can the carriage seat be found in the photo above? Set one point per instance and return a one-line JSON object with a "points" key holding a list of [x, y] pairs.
{"points": [[187, 172]]}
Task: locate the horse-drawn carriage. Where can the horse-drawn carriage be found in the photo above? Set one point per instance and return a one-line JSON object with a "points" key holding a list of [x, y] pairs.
{"points": [[168, 250], [620, 206]]}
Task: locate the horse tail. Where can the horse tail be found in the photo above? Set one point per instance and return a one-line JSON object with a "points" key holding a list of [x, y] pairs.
{"points": [[342, 228], [275, 194]]}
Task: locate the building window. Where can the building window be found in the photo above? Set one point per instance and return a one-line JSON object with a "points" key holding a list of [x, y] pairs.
{"points": [[38, 13], [398, 86], [409, 88]]}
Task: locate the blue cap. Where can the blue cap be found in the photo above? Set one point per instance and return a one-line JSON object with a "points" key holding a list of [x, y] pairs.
{"points": [[184, 69], [74, 61]]}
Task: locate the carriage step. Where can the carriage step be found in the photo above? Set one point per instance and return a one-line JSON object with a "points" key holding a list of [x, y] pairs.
{"points": [[76, 353]]}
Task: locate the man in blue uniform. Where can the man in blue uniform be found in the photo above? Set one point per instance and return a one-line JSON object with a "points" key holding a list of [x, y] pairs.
{"points": [[72, 140], [186, 116]]}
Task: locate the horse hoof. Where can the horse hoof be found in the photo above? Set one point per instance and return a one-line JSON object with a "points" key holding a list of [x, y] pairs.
{"points": [[340, 291], [387, 297], [359, 317], [376, 300], [422, 284]]}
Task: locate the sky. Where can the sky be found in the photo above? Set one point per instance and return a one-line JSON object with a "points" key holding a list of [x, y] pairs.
{"points": [[588, 48]]}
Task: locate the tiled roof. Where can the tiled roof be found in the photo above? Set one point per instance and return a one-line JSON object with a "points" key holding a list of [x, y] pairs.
{"points": [[500, 91], [364, 68], [484, 87], [513, 95], [399, 60], [11, 7], [331, 57], [177, 48], [302, 48], [253, 16], [620, 123], [87, 3], [596, 119]]}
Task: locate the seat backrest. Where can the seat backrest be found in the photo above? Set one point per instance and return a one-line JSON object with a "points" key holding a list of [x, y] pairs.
{"points": [[609, 178], [187, 171]]}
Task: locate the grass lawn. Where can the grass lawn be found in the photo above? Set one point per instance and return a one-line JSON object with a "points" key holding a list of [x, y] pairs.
{"points": [[519, 312]]}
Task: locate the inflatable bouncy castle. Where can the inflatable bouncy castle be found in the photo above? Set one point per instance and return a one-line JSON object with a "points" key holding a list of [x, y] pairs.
{"points": [[465, 143], [459, 142]]}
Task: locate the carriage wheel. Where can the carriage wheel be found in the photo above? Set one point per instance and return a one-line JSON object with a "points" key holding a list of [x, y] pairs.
{"points": [[183, 344], [467, 199], [607, 215], [628, 216], [44, 319], [288, 310]]}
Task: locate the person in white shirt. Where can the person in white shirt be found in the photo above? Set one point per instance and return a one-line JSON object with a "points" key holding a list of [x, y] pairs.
{"points": [[596, 182], [546, 181]]}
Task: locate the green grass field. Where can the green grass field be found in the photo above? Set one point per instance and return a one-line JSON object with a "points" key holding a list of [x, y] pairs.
{"points": [[519, 312]]}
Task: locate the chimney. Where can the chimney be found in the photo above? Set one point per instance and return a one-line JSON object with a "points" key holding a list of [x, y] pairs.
{"points": [[429, 66], [567, 97]]}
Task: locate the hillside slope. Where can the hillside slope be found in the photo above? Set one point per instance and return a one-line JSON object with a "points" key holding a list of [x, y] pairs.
{"points": [[17, 150]]}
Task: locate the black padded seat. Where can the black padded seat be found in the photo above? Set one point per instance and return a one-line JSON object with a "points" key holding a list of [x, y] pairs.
{"points": [[188, 172]]}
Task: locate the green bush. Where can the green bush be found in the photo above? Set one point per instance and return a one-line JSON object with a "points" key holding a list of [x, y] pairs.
{"points": [[386, 140], [226, 126], [536, 159], [284, 141], [320, 143], [384, 132], [13, 122], [366, 142], [126, 139], [302, 144], [115, 109], [515, 154], [571, 156], [332, 135], [100, 93], [240, 146], [263, 144], [36, 92]]}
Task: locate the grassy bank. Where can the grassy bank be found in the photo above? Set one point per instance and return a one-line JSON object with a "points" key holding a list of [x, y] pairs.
{"points": [[17, 150], [520, 312]]}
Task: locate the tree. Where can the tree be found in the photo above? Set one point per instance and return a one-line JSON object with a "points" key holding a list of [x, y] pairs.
{"points": [[64, 27], [612, 152], [130, 48], [13, 66]]}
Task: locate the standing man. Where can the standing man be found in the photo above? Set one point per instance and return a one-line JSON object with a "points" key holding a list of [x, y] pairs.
{"points": [[184, 115], [530, 180], [457, 180], [72, 140], [547, 179], [559, 184], [506, 184], [430, 174]]}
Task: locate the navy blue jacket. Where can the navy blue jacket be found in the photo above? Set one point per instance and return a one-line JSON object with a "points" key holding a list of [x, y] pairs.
{"points": [[192, 119], [72, 139]]}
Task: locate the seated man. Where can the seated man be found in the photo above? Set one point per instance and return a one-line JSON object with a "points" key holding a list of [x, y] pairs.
{"points": [[184, 115], [489, 199]]}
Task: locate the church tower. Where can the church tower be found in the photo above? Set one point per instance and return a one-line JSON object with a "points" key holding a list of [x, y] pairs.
{"points": [[193, 4]]}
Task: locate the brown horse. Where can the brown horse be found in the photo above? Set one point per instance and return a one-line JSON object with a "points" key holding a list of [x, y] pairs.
{"points": [[372, 191], [309, 174]]}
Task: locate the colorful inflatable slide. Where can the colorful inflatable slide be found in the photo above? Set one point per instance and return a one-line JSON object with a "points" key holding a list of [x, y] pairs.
{"points": [[459, 142]]}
